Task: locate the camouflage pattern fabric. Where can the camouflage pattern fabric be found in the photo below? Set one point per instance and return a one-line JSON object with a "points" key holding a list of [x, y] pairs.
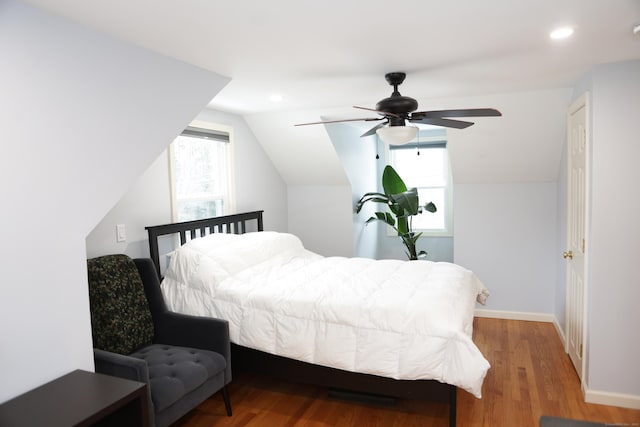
{"points": [[120, 317]]}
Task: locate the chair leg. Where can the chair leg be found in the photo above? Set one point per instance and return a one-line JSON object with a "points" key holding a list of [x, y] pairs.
{"points": [[227, 402]]}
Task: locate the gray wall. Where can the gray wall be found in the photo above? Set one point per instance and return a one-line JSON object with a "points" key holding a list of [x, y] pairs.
{"points": [[614, 341], [321, 216], [81, 117], [506, 234]]}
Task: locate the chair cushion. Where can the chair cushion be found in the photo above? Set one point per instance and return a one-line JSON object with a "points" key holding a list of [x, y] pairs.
{"points": [[175, 371], [120, 317]]}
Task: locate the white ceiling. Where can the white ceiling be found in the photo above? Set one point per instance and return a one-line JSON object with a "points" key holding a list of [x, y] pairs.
{"points": [[325, 56]]}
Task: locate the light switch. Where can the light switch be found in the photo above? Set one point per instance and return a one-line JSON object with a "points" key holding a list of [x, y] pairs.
{"points": [[121, 233]]}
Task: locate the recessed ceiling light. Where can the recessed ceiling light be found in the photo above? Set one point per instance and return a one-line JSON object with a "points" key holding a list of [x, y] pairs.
{"points": [[275, 98], [561, 33]]}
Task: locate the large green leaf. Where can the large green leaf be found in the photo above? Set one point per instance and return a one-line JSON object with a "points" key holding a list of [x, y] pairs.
{"points": [[408, 200], [403, 225], [403, 204], [391, 181], [430, 207], [409, 239], [385, 217], [372, 197]]}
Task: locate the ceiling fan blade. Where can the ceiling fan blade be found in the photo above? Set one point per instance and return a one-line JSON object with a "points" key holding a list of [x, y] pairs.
{"points": [[469, 112], [436, 121], [373, 129], [386, 113], [367, 119]]}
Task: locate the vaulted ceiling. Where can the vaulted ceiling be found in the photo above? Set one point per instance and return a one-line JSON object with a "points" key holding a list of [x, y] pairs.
{"points": [[324, 57]]}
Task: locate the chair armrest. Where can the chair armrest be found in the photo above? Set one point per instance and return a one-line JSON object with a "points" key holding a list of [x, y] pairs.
{"points": [[126, 367], [122, 366]]}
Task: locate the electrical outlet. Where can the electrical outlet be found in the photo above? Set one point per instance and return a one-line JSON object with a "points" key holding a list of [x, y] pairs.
{"points": [[121, 233]]}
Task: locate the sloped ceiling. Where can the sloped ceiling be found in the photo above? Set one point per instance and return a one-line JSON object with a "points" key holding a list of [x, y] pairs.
{"points": [[302, 155], [525, 144], [324, 57]]}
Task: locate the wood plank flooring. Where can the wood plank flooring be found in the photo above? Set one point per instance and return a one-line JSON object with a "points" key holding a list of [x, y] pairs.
{"points": [[530, 376]]}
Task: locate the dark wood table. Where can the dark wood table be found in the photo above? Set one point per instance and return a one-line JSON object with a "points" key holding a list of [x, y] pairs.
{"points": [[79, 398]]}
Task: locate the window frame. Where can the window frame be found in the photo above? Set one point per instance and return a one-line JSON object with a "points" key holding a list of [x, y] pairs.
{"points": [[423, 144], [229, 201]]}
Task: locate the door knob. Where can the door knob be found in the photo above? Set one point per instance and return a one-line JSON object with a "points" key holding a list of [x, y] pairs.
{"points": [[568, 254]]}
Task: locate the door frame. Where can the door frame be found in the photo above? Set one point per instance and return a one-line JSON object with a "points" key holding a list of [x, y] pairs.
{"points": [[580, 102]]}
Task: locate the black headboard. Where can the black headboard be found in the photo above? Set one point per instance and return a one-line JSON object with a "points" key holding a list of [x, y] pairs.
{"points": [[188, 230]]}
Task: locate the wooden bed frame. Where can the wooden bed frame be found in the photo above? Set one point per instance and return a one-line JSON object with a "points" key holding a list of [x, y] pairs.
{"points": [[342, 383]]}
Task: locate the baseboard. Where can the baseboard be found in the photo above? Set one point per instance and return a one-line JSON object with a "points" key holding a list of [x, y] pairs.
{"points": [[560, 332], [515, 315], [612, 399]]}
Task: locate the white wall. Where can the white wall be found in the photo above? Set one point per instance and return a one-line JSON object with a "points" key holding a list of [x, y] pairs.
{"points": [[319, 207], [506, 234], [81, 116], [614, 294], [147, 202], [358, 157], [304, 155], [258, 187], [321, 215]]}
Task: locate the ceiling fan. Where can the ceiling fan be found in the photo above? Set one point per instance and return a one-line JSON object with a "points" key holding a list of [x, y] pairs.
{"points": [[396, 110]]}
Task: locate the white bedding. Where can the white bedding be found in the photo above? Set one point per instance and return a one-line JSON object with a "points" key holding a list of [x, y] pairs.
{"points": [[398, 319]]}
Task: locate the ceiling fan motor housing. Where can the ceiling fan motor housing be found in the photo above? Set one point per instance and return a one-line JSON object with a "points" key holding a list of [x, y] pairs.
{"points": [[396, 103]]}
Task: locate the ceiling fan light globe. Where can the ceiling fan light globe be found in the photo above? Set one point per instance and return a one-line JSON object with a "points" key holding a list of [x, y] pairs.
{"points": [[397, 135]]}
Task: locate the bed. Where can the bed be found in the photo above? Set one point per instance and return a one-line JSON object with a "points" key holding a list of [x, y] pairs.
{"points": [[351, 324]]}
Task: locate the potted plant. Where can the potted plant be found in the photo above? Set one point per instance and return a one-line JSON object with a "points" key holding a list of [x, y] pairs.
{"points": [[402, 204]]}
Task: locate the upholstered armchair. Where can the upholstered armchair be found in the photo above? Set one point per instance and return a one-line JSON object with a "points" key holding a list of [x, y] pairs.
{"points": [[183, 359]]}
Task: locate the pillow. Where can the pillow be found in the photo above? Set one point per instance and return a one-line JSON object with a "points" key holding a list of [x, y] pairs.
{"points": [[208, 260], [120, 317]]}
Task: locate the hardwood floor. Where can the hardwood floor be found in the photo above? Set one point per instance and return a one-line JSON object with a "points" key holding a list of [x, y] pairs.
{"points": [[530, 376]]}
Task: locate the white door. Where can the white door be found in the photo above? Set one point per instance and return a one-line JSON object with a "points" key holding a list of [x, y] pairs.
{"points": [[576, 232]]}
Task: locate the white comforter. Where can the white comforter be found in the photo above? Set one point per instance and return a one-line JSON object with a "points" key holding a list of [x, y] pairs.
{"points": [[398, 319]]}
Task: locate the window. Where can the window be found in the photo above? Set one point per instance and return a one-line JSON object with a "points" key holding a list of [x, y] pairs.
{"points": [[425, 165], [200, 169]]}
